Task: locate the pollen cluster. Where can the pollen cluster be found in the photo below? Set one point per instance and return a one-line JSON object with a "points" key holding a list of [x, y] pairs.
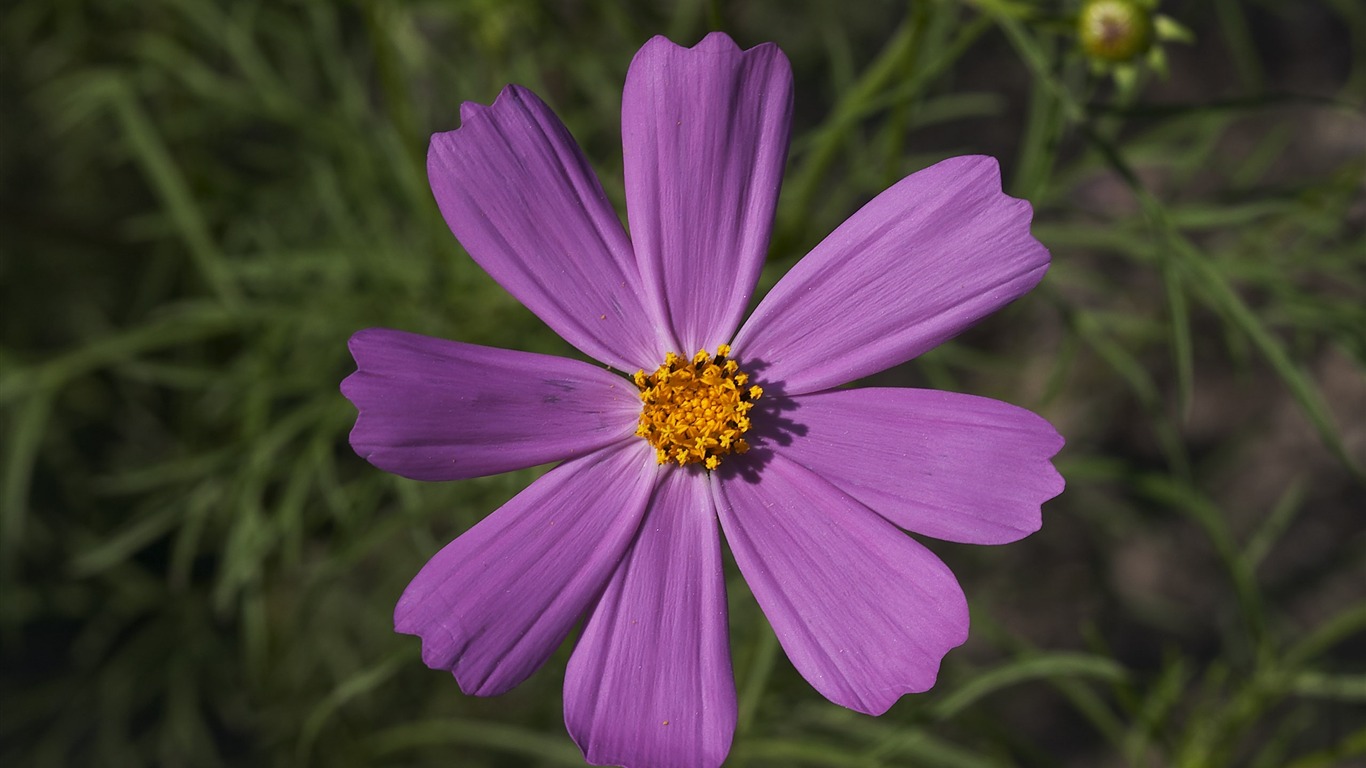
{"points": [[696, 411]]}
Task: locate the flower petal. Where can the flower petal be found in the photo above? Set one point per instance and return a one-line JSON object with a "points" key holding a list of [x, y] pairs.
{"points": [[942, 464], [517, 192], [650, 682], [924, 260], [432, 409], [864, 612], [495, 603], [704, 133]]}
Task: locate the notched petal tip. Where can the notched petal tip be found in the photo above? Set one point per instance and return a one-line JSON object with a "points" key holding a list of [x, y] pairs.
{"points": [[985, 166], [712, 43], [1053, 443], [469, 110], [942, 464], [924, 260], [1056, 482], [864, 612], [705, 134], [717, 39], [473, 111], [1058, 441], [432, 409], [491, 606], [518, 193], [989, 167], [361, 340], [357, 345], [348, 387]]}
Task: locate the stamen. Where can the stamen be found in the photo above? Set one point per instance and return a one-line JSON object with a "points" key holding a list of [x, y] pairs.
{"points": [[695, 411]]}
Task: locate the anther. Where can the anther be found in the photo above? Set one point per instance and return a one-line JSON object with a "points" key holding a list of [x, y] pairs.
{"points": [[696, 414]]}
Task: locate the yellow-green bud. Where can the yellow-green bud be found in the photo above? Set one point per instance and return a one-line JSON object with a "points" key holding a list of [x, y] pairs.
{"points": [[1114, 30]]}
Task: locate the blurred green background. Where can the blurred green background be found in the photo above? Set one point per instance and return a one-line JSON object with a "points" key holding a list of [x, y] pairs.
{"points": [[203, 200]]}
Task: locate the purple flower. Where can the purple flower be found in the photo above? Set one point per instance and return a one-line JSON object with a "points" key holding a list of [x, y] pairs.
{"points": [[749, 436]]}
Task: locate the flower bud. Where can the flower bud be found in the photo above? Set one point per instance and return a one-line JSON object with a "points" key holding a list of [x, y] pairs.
{"points": [[1114, 30]]}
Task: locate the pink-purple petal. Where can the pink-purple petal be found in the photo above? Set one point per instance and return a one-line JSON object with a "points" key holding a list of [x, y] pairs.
{"points": [[495, 603], [705, 135], [650, 681], [863, 611], [924, 260], [952, 466], [431, 409], [517, 192]]}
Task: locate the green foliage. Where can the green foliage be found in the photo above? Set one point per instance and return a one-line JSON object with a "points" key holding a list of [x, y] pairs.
{"points": [[202, 201]]}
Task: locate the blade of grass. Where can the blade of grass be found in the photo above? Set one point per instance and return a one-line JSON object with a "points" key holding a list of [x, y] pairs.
{"points": [[356, 685], [1024, 670], [167, 181], [21, 453]]}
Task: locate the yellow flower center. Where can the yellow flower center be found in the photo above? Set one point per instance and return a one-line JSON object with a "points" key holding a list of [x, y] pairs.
{"points": [[696, 411]]}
